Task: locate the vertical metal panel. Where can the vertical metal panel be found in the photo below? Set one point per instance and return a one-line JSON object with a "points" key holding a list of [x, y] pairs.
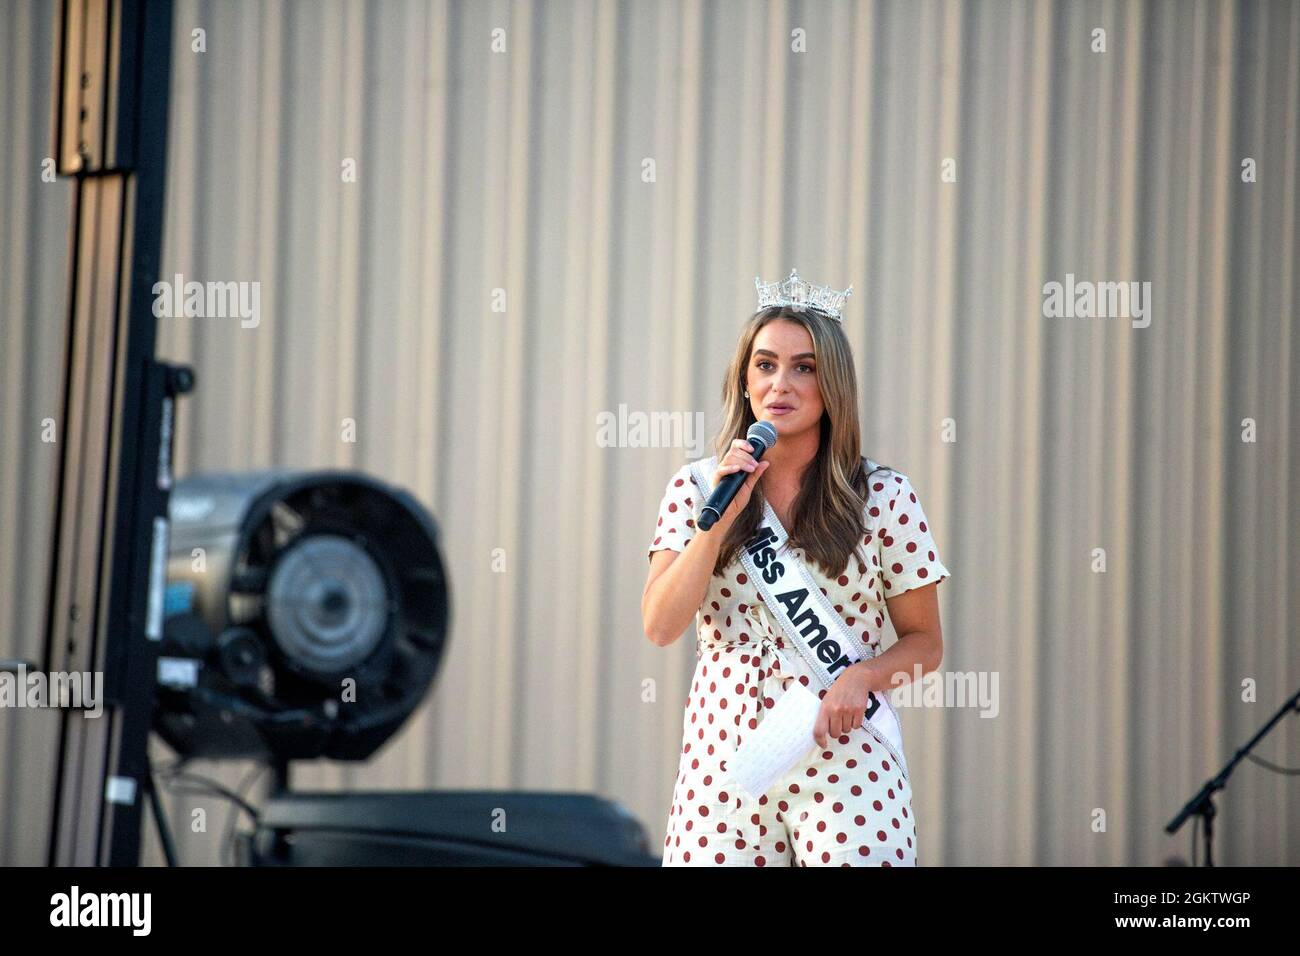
{"points": [[522, 171], [34, 217]]}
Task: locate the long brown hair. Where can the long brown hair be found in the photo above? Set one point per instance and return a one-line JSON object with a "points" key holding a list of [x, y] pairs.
{"points": [[828, 521]]}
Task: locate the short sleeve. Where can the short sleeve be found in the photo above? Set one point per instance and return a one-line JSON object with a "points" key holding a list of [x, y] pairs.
{"points": [[676, 524], [909, 558]]}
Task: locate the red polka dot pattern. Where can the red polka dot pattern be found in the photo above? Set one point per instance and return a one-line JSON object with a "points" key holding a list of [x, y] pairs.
{"points": [[902, 551], [843, 806]]}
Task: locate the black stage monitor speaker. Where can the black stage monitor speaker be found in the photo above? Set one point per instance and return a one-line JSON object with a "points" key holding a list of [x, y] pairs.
{"points": [[449, 828]]}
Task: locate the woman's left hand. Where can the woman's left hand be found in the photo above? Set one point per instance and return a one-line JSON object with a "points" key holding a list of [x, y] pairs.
{"points": [[845, 704]]}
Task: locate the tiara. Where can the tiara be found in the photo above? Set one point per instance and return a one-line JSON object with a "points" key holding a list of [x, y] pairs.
{"points": [[797, 292]]}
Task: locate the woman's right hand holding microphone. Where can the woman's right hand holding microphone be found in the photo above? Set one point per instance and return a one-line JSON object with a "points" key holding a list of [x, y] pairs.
{"points": [[739, 457]]}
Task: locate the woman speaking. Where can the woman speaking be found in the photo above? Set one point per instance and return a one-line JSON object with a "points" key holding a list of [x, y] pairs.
{"points": [[793, 583]]}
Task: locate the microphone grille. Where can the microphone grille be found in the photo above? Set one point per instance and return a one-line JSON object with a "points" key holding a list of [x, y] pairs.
{"points": [[761, 431]]}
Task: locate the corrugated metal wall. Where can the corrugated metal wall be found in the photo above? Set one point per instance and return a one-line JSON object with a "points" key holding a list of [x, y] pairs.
{"points": [[34, 218], [522, 171]]}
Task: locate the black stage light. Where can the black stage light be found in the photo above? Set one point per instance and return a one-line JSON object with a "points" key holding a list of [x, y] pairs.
{"points": [[306, 615]]}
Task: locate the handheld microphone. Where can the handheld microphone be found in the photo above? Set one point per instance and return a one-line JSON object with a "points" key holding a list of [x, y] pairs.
{"points": [[762, 436]]}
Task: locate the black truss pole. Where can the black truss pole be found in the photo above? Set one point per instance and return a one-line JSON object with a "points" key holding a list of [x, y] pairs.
{"points": [[108, 566]]}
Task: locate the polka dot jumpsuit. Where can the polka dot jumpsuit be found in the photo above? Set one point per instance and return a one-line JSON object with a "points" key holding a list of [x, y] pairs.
{"points": [[846, 805]]}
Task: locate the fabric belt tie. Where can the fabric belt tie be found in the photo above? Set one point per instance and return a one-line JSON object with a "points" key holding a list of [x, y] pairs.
{"points": [[767, 652]]}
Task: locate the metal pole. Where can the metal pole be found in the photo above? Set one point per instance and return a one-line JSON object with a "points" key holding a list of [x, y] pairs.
{"points": [[110, 530]]}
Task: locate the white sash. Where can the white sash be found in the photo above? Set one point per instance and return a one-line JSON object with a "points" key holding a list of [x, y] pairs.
{"points": [[825, 642]]}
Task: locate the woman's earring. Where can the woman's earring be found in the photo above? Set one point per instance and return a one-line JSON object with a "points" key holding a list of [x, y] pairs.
{"points": [[747, 394]]}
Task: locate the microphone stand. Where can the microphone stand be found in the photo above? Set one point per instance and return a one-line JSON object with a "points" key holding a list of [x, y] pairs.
{"points": [[1202, 804]]}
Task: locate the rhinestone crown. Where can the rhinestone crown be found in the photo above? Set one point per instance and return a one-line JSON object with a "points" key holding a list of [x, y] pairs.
{"points": [[799, 293]]}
